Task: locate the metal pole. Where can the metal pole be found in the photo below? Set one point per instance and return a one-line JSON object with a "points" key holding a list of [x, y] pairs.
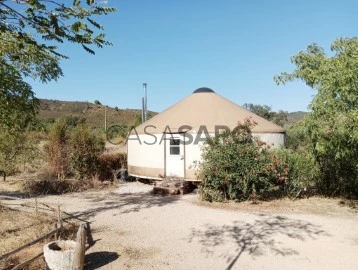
{"points": [[145, 102], [143, 110]]}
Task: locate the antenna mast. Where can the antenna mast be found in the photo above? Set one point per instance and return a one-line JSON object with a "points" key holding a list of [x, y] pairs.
{"points": [[145, 103]]}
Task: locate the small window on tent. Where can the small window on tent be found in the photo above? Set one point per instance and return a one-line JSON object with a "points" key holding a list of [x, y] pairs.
{"points": [[174, 147]]}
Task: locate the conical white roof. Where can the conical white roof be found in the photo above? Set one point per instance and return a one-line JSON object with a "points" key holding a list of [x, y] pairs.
{"points": [[206, 108]]}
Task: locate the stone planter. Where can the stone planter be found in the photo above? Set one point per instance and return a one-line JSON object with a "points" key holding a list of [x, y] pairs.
{"points": [[59, 255]]}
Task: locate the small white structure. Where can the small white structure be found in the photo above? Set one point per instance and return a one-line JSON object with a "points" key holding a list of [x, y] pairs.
{"points": [[168, 144]]}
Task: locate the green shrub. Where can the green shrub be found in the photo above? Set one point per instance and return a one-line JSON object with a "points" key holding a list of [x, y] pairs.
{"points": [[57, 149], [297, 137], [332, 123], [72, 148], [236, 166], [73, 121], [303, 171], [329, 148], [84, 151]]}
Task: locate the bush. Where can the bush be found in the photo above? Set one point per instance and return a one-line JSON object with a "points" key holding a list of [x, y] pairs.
{"points": [[73, 149], [51, 186], [329, 148], [333, 120], [73, 121], [303, 171], [297, 137], [110, 164], [58, 149], [236, 166], [84, 151], [97, 102], [40, 125]]}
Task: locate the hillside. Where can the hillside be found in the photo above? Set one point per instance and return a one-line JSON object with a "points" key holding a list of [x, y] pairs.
{"points": [[294, 117], [93, 113]]}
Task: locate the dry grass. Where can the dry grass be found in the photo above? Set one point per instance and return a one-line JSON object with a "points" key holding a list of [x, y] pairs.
{"points": [[20, 227], [11, 185]]}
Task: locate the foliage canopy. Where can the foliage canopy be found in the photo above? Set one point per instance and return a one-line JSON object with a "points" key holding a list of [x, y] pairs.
{"points": [[29, 33], [332, 124], [266, 112]]}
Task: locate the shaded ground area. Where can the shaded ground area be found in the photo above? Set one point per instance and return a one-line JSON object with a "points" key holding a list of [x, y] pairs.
{"points": [[256, 238], [135, 230]]}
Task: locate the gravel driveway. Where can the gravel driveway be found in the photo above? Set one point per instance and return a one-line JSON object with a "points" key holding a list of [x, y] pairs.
{"points": [[135, 230]]}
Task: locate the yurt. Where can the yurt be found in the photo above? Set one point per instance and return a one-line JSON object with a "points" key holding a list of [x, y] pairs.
{"points": [[168, 145]]}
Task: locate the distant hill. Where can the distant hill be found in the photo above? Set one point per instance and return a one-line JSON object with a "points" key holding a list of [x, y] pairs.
{"points": [[93, 113], [294, 117]]}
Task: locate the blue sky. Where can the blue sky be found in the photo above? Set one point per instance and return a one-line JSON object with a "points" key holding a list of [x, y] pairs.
{"points": [[234, 47]]}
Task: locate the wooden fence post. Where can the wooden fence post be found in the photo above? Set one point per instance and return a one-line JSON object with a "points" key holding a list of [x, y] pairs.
{"points": [[36, 206], [56, 233], [79, 256], [4, 175], [58, 225], [59, 216]]}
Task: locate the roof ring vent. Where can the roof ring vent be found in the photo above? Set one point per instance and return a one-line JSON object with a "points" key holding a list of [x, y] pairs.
{"points": [[203, 90]]}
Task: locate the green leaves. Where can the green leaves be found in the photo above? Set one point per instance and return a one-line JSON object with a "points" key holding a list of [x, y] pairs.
{"points": [[332, 125], [266, 112], [55, 21], [72, 148], [235, 166], [95, 24], [17, 102], [87, 49], [78, 26], [29, 32]]}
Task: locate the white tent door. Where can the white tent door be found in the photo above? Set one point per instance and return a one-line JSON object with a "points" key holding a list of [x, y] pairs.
{"points": [[174, 155]]}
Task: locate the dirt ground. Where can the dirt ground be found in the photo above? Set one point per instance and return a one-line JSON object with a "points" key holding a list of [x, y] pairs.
{"points": [[135, 230]]}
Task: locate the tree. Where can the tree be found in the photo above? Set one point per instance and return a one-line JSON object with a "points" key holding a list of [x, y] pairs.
{"points": [[29, 31], [85, 149], [332, 124], [20, 21], [17, 101], [266, 112], [15, 149]]}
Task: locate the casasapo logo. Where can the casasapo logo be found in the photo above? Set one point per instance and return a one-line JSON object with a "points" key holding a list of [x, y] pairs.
{"points": [[120, 135]]}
